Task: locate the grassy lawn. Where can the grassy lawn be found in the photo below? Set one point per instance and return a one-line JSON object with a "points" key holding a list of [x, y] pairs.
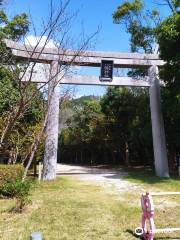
{"points": [[69, 209], [147, 179]]}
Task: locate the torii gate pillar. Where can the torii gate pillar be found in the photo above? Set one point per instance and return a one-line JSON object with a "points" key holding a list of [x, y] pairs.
{"points": [[52, 128], [159, 142]]}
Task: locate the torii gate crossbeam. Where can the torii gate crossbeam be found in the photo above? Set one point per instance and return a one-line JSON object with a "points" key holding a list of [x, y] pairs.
{"points": [[82, 58], [55, 56]]}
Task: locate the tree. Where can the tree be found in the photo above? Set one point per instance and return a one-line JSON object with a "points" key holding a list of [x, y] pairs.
{"points": [[83, 139], [117, 129], [56, 30], [168, 38], [145, 25], [146, 29], [9, 93], [127, 113], [139, 23]]}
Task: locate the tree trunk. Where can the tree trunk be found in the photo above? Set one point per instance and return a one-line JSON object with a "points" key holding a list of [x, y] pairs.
{"points": [[35, 169], [172, 161], [126, 154], [34, 147], [81, 155]]}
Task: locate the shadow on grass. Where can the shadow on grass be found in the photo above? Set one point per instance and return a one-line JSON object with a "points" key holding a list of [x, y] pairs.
{"points": [[170, 238], [155, 238], [146, 175], [132, 233], [135, 174]]}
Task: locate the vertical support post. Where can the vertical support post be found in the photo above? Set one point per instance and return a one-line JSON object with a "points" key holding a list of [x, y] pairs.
{"points": [[52, 128], [39, 171], [159, 143]]}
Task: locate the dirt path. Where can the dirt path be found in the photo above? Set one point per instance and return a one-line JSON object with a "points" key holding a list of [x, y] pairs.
{"points": [[100, 175]]}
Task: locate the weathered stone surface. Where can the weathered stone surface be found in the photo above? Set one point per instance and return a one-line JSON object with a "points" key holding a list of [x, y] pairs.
{"points": [[159, 143], [51, 143], [82, 58], [41, 77]]}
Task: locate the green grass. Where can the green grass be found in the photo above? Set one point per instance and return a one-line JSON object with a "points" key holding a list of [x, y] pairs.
{"points": [[68, 209], [148, 179]]}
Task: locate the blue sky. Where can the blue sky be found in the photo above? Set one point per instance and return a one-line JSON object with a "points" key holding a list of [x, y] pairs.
{"points": [[91, 14]]}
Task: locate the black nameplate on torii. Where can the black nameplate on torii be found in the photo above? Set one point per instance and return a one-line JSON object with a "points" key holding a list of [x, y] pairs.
{"points": [[106, 70]]}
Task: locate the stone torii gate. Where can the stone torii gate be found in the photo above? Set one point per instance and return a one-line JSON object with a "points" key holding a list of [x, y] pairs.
{"points": [[54, 56]]}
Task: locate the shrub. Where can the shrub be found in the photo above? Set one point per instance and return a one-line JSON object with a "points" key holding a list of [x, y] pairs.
{"points": [[12, 186], [16, 189], [19, 190], [10, 173]]}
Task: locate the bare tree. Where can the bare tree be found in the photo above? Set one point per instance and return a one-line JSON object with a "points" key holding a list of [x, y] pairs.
{"points": [[57, 29]]}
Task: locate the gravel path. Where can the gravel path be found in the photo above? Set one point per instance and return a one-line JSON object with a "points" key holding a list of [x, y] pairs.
{"points": [[111, 179], [100, 175]]}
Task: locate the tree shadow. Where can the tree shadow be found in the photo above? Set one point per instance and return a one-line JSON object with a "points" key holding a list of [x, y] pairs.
{"points": [[170, 238], [139, 174], [132, 233], [89, 169], [155, 238], [146, 175]]}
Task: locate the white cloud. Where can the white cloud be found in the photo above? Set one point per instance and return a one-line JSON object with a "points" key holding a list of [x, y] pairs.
{"points": [[40, 71], [33, 41]]}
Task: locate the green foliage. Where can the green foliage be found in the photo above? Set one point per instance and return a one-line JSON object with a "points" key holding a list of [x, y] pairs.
{"points": [[12, 186], [36, 107], [14, 95], [176, 5], [104, 128], [8, 90], [127, 111], [3, 17], [127, 9], [13, 29], [168, 37], [119, 104], [17, 189], [171, 113], [10, 173], [85, 130], [147, 28], [81, 124], [134, 17], [80, 101], [141, 38]]}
